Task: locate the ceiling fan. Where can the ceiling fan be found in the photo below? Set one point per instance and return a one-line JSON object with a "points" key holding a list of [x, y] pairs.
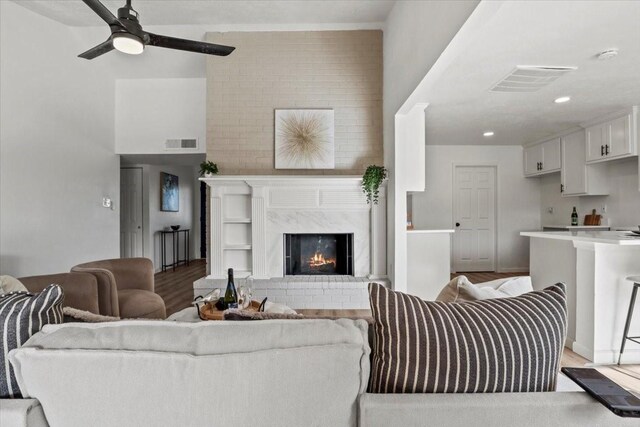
{"points": [[128, 36]]}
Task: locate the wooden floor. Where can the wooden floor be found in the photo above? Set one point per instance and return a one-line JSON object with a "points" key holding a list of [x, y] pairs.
{"points": [[176, 288], [487, 276]]}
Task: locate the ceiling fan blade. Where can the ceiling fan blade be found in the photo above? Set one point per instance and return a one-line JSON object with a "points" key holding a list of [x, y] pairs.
{"points": [[96, 51], [102, 12], [189, 45]]}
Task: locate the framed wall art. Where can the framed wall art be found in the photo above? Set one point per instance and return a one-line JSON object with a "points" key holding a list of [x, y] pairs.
{"points": [[304, 139], [170, 192]]}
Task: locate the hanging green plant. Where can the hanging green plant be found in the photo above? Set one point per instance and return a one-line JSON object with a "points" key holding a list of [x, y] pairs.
{"points": [[208, 168], [371, 181]]}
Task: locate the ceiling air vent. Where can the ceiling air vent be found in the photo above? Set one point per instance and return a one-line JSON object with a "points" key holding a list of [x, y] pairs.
{"points": [[181, 144], [526, 78]]}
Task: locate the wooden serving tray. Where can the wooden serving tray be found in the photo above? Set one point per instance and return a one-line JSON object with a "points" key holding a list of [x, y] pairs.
{"points": [[210, 312]]}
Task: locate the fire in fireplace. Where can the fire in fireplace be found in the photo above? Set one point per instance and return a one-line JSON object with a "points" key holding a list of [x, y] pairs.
{"points": [[318, 254]]}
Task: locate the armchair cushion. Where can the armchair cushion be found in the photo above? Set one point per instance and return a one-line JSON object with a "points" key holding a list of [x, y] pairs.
{"points": [[135, 303], [80, 289], [128, 273], [126, 287]]}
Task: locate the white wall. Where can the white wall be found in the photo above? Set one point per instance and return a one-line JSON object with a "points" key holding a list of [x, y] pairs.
{"points": [[56, 149], [150, 111], [623, 201], [159, 220], [518, 198], [415, 35]]}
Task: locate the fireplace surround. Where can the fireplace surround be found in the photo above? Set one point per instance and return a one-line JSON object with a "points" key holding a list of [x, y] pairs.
{"points": [[252, 215]]}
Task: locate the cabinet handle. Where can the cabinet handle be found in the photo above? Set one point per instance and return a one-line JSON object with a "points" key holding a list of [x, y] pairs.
{"points": [[562, 188], [602, 150], [606, 149], [541, 165]]}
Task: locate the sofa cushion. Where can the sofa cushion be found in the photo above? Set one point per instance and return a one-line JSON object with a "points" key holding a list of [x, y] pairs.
{"points": [[571, 409], [461, 289], [269, 373], [21, 315], [10, 284], [496, 345]]}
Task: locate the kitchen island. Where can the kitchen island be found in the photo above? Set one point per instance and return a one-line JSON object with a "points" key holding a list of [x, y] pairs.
{"points": [[594, 266], [428, 262]]}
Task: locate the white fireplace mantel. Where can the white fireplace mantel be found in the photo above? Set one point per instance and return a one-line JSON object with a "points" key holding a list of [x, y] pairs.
{"points": [[250, 213]]}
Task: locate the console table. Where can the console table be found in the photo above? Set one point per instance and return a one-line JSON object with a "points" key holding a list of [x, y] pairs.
{"points": [[175, 242]]}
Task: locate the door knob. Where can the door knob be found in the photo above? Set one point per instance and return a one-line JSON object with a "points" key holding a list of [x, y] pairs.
{"points": [[457, 224]]}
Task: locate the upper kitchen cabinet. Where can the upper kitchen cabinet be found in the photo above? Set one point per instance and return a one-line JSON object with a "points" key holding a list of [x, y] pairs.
{"points": [[542, 158], [613, 138], [577, 178]]}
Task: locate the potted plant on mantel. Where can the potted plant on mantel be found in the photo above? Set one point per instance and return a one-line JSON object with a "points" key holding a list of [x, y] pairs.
{"points": [[208, 169], [371, 181]]}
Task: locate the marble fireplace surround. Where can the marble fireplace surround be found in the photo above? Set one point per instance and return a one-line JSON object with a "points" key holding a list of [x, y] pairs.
{"points": [[298, 204]]}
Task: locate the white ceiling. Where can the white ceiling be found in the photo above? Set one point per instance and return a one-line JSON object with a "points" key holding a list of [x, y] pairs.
{"points": [[567, 33], [216, 12]]}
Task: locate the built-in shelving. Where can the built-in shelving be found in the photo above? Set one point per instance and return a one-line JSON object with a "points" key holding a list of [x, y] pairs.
{"points": [[237, 247], [236, 230], [237, 221]]}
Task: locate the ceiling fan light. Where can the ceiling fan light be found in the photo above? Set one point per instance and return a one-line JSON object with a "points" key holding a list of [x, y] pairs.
{"points": [[128, 43]]}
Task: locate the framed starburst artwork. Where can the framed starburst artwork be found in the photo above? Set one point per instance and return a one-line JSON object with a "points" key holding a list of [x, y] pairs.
{"points": [[304, 139]]}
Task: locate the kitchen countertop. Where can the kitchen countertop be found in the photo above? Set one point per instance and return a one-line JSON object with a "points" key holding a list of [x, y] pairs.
{"points": [[430, 231], [608, 237], [571, 227]]}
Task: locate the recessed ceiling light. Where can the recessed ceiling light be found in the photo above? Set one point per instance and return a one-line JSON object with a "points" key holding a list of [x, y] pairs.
{"points": [[488, 133], [607, 54], [562, 99]]}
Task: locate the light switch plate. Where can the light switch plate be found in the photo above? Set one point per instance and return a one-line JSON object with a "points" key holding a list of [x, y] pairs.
{"points": [[106, 202]]}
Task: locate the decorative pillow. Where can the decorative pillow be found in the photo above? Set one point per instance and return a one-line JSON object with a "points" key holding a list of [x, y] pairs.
{"points": [[496, 345], [74, 315], [10, 284], [460, 289], [21, 315]]}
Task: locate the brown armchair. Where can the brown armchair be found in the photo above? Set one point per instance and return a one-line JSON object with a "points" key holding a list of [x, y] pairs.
{"points": [[80, 289], [125, 287]]}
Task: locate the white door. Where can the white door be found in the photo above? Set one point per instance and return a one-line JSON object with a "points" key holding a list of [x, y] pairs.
{"points": [[474, 213], [131, 212]]}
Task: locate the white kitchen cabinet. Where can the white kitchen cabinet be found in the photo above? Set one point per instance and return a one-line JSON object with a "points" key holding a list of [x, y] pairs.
{"points": [[613, 139], [577, 177], [551, 155], [532, 160], [542, 158]]}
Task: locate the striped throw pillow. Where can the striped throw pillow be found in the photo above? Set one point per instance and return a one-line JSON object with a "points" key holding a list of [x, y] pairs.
{"points": [[21, 315], [496, 345]]}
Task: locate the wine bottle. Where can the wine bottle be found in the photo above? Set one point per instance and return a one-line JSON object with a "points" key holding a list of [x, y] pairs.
{"points": [[230, 295], [574, 217]]}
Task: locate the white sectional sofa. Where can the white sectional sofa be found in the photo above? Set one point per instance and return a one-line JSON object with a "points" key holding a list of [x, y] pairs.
{"points": [[263, 373]]}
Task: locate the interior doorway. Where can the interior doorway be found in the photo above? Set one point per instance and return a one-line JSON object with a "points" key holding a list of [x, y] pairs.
{"points": [[131, 220], [474, 215]]}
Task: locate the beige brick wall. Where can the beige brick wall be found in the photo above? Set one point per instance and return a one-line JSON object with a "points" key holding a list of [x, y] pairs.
{"points": [[303, 69]]}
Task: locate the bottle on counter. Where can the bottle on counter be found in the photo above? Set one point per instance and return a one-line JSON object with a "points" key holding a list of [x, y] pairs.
{"points": [[574, 217], [230, 295]]}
